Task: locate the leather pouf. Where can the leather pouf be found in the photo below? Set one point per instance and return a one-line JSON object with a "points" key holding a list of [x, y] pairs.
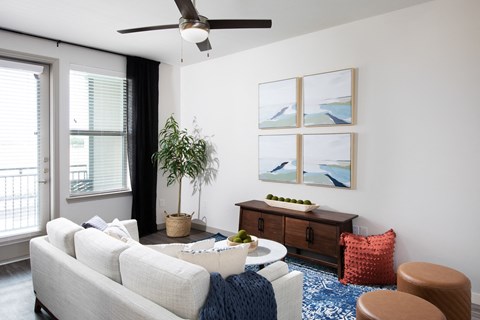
{"points": [[395, 305], [448, 289]]}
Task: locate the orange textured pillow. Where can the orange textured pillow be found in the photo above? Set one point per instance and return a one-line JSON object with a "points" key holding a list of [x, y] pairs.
{"points": [[369, 260]]}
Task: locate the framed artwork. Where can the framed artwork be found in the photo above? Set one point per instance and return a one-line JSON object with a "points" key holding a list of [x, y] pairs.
{"points": [[328, 98], [278, 104], [327, 159], [278, 157]]}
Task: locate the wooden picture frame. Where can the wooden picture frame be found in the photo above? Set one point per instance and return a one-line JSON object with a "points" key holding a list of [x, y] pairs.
{"points": [[328, 160], [279, 104], [329, 98], [278, 158]]}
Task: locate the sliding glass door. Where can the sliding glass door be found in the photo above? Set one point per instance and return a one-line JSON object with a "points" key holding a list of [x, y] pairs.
{"points": [[24, 148]]}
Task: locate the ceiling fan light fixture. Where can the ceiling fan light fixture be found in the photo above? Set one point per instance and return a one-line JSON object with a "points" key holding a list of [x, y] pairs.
{"points": [[194, 31]]}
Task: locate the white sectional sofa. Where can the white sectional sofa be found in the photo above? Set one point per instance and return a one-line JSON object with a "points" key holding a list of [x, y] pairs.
{"points": [[82, 273]]}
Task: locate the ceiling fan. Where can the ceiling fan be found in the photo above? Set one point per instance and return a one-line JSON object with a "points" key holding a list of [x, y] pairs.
{"points": [[195, 28]]}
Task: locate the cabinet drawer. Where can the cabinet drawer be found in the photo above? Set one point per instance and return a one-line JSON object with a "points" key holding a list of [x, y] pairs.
{"points": [[321, 238], [324, 239], [272, 227], [295, 233], [262, 225], [249, 222]]}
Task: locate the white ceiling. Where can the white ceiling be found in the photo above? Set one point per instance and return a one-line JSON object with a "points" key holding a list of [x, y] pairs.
{"points": [[94, 22]]}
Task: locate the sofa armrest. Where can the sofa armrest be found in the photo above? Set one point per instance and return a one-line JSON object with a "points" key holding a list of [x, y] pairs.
{"points": [[289, 295], [132, 228], [288, 288], [274, 271]]}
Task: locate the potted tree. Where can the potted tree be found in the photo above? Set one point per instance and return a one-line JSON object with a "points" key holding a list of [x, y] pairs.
{"points": [[179, 155]]}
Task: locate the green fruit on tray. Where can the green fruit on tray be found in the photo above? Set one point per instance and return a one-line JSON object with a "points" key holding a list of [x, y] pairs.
{"points": [[289, 200], [237, 240]]}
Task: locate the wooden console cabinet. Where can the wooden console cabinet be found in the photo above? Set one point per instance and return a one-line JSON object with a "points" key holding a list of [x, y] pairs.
{"points": [[310, 235]]}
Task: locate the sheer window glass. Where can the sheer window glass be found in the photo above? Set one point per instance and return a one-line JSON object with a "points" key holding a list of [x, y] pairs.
{"points": [[98, 137], [24, 148]]}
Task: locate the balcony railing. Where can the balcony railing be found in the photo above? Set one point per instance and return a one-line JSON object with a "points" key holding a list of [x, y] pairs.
{"points": [[19, 207], [18, 198]]}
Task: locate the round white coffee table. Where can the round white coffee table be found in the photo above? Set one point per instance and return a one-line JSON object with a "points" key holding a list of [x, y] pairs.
{"points": [[268, 251]]}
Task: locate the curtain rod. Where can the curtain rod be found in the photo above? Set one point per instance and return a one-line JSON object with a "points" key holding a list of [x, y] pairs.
{"points": [[60, 41]]}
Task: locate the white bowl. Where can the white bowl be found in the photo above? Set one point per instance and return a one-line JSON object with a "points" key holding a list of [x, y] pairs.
{"points": [[253, 244], [291, 206]]}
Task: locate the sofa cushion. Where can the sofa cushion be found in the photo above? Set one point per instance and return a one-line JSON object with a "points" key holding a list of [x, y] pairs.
{"points": [[226, 261], [176, 285], [100, 252], [61, 233], [369, 260]]}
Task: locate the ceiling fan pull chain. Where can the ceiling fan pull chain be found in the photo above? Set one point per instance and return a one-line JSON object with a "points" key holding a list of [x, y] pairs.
{"points": [[181, 50]]}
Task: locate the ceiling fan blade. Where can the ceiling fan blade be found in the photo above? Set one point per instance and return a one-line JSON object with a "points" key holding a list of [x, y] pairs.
{"points": [[204, 45], [187, 9], [166, 26], [239, 24]]}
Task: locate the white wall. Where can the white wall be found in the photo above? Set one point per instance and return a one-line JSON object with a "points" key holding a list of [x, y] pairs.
{"points": [[169, 103], [417, 127], [61, 57]]}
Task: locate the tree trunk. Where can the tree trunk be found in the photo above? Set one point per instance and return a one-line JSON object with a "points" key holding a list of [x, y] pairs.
{"points": [[179, 195]]}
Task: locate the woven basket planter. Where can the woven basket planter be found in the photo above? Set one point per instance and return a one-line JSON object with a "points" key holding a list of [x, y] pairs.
{"points": [[178, 225]]}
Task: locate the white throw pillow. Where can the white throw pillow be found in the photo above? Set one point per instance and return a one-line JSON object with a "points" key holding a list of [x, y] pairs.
{"points": [[117, 230], [173, 249], [226, 261], [201, 245]]}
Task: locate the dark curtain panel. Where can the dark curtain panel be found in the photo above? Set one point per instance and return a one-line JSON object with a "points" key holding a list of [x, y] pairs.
{"points": [[142, 128]]}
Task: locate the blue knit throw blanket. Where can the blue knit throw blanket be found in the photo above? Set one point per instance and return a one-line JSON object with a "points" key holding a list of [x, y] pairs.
{"points": [[239, 297]]}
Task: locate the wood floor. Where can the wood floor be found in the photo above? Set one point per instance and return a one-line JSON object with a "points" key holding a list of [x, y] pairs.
{"points": [[16, 291]]}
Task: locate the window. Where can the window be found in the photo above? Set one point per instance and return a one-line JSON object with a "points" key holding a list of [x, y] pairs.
{"points": [[98, 137]]}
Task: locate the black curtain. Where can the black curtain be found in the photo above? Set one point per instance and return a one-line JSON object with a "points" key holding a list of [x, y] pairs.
{"points": [[142, 128]]}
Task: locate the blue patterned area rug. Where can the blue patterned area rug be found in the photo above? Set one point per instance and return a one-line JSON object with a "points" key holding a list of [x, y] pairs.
{"points": [[324, 297]]}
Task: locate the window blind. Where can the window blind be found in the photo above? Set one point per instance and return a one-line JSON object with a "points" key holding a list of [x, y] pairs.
{"points": [[98, 139]]}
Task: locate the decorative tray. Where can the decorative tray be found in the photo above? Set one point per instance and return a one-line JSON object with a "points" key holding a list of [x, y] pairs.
{"points": [[291, 206]]}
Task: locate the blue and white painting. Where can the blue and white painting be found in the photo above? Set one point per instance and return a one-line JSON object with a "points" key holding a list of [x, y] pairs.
{"points": [[328, 98], [277, 158], [277, 104], [327, 159]]}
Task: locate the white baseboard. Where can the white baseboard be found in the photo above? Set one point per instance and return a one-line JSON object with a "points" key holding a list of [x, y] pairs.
{"points": [[17, 259], [476, 298], [203, 227]]}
